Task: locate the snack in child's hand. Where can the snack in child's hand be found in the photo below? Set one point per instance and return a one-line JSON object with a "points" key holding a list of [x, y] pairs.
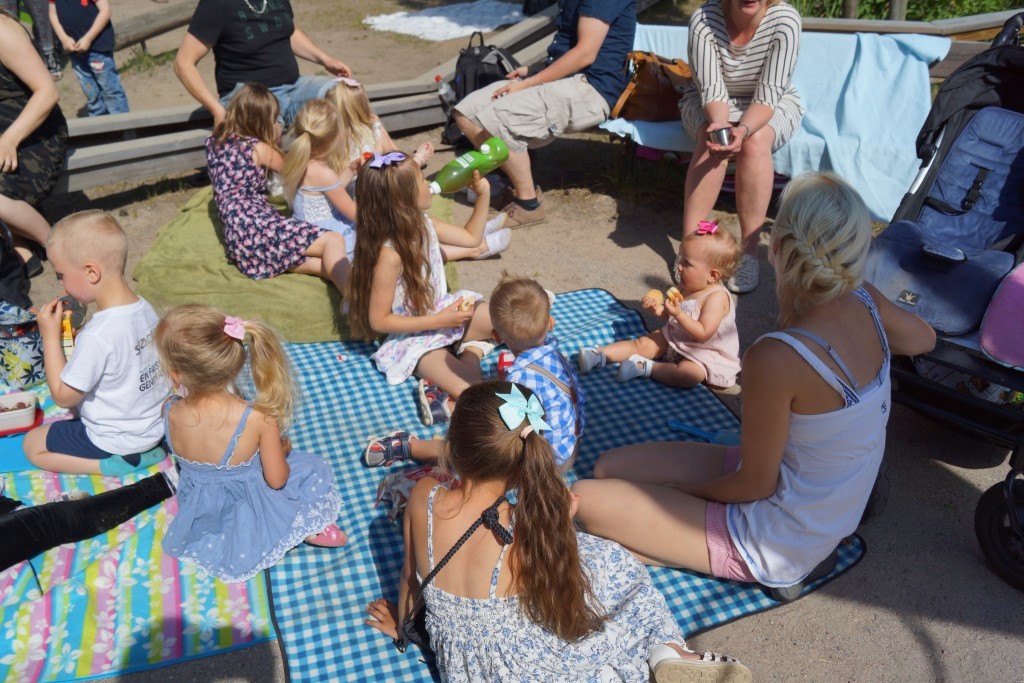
{"points": [[655, 294], [466, 304], [674, 295]]}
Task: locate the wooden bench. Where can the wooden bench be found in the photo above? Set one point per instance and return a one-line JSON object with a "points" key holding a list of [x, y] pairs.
{"points": [[157, 142]]}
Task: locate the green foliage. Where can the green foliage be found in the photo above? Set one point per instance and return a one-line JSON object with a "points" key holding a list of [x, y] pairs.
{"points": [[917, 10], [143, 61]]}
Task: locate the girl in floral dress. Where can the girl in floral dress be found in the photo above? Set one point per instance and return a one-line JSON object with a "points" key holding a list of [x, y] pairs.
{"points": [[259, 240], [527, 597], [398, 286]]}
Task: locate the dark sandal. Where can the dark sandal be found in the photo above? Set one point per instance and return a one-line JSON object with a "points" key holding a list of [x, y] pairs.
{"points": [[382, 451], [433, 403]]}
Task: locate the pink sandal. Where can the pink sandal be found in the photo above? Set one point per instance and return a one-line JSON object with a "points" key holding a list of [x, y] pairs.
{"points": [[330, 537]]}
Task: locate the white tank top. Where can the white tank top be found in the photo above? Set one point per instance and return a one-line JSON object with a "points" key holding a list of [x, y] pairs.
{"points": [[829, 466]]}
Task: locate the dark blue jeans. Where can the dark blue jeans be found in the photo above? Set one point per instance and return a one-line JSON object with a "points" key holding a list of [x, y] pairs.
{"points": [[100, 81]]}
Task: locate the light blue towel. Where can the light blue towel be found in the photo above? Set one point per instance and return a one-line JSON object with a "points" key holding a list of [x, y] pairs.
{"points": [[866, 97]]}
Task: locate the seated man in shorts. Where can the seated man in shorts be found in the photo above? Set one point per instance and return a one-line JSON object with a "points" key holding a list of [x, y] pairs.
{"points": [[583, 76]]}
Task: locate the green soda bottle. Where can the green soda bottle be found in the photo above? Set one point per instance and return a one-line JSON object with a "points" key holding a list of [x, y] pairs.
{"points": [[458, 173]]}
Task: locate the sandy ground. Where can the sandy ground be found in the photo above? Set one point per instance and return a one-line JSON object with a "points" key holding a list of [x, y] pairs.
{"points": [[922, 605]]}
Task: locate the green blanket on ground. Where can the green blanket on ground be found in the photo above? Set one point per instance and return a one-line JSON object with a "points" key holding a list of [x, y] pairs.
{"points": [[187, 264]]}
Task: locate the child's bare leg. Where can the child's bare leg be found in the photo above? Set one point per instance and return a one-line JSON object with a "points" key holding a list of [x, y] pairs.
{"points": [[652, 345], [423, 154], [426, 450], [448, 372], [480, 324], [327, 259], [685, 375], [36, 453]]}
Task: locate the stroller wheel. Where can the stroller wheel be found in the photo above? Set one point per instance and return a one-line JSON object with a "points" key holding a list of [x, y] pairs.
{"points": [[1003, 548]]}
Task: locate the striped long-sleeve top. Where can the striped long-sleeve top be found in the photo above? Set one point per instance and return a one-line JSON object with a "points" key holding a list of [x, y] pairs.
{"points": [[759, 72]]}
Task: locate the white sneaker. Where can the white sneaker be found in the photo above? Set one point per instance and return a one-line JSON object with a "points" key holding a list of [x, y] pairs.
{"points": [[496, 223], [745, 278], [497, 242], [590, 358], [634, 366]]}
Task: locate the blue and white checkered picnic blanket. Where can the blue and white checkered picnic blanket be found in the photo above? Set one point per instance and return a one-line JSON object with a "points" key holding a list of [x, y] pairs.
{"points": [[320, 596]]}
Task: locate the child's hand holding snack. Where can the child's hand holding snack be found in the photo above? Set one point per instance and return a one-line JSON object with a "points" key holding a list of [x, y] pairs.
{"points": [[49, 319], [456, 314], [673, 298], [653, 301]]}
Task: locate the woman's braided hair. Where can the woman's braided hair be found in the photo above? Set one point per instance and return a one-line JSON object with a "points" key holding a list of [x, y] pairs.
{"points": [[821, 238]]}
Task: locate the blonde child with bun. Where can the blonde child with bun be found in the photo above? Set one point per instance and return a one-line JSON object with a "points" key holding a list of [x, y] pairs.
{"points": [[528, 597], [366, 135], [816, 401], [245, 498], [398, 285], [700, 341], [317, 172]]}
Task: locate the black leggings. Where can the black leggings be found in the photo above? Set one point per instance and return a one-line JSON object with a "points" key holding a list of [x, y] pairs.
{"points": [[27, 531]]}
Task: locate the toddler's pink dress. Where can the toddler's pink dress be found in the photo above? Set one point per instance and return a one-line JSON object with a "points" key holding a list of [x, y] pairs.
{"points": [[719, 355]]}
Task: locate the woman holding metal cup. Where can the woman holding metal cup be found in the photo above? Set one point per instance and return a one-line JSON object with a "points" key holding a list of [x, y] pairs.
{"points": [[740, 106]]}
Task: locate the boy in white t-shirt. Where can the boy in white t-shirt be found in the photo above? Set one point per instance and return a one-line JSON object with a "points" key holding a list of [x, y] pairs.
{"points": [[113, 377]]}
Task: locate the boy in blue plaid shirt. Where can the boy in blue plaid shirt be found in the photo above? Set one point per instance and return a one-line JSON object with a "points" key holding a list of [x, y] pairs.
{"points": [[521, 317]]}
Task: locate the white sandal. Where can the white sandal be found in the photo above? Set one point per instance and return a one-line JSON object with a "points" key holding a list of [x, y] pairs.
{"points": [[668, 667], [497, 242], [485, 347]]}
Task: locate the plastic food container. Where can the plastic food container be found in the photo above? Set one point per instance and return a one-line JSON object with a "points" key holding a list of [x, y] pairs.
{"points": [[14, 417]]}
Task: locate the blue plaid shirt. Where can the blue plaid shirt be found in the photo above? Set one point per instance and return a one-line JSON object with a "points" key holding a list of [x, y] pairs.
{"points": [[558, 407]]}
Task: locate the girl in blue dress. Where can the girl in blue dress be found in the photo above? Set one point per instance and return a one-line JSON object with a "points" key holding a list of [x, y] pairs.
{"points": [[244, 497]]}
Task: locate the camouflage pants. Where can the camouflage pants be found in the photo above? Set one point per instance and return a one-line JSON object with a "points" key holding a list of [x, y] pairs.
{"points": [[40, 155]]}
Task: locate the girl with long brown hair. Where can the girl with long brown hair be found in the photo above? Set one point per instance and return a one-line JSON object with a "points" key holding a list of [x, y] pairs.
{"points": [[258, 239], [528, 598], [398, 285]]}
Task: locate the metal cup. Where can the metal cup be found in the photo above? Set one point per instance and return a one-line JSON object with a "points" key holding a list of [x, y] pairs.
{"points": [[722, 136]]}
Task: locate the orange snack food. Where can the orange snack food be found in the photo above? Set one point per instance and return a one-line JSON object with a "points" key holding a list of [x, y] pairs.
{"points": [[674, 295], [655, 294]]}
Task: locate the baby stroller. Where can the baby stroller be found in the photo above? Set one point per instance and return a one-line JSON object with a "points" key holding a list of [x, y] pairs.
{"points": [[953, 256]]}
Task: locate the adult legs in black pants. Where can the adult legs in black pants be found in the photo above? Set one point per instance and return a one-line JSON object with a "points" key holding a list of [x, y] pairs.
{"points": [[28, 531]]}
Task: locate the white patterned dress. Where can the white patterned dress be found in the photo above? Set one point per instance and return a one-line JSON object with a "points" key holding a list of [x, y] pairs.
{"points": [[398, 355], [476, 639]]}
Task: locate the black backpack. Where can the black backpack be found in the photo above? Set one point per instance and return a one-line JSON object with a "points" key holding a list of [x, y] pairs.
{"points": [[478, 65]]}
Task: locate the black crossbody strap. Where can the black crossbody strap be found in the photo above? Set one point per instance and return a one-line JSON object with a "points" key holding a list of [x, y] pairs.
{"points": [[488, 517]]}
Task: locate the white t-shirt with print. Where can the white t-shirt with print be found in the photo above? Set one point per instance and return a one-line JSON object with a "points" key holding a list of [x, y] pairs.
{"points": [[115, 365]]}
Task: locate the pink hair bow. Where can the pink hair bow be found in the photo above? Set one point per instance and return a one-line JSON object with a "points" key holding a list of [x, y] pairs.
{"points": [[234, 327], [350, 82], [707, 228]]}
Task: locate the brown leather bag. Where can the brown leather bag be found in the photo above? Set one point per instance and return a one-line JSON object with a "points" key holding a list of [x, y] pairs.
{"points": [[654, 88]]}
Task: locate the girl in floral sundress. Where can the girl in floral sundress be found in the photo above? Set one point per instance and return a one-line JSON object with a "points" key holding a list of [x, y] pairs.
{"points": [[528, 597], [398, 286], [259, 240]]}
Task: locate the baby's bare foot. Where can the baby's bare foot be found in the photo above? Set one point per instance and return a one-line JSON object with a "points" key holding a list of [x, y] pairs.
{"points": [[423, 154]]}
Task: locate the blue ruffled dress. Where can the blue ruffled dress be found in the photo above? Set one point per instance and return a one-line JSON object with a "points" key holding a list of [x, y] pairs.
{"points": [[233, 525]]}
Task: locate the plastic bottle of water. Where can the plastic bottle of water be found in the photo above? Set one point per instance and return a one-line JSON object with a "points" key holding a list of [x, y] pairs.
{"points": [[445, 92], [458, 173]]}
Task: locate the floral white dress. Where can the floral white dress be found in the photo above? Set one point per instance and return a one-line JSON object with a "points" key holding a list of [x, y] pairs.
{"points": [[492, 640], [398, 355]]}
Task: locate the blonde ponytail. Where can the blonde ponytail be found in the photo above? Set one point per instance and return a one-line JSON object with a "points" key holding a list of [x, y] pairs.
{"points": [[295, 163]]}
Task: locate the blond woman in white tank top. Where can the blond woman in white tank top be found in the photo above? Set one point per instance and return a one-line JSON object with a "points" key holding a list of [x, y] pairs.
{"points": [[815, 405]]}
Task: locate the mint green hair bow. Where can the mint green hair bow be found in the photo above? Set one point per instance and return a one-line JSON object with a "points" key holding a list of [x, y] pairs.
{"points": [[516, 409]]}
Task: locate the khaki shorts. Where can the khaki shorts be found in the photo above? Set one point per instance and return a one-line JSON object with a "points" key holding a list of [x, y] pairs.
{"points": [[535, 116]]}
